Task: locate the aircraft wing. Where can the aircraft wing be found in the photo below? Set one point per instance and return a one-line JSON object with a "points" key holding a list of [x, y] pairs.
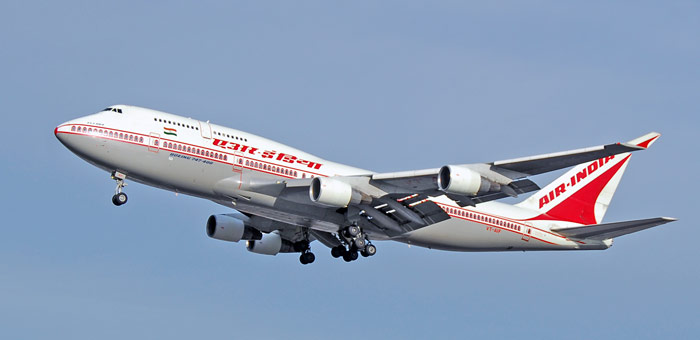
{"points": [[609, 230], [505, 171]]}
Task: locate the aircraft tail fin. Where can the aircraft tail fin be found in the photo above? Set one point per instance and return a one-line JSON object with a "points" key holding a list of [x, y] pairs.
{"points": [[582, 195]]}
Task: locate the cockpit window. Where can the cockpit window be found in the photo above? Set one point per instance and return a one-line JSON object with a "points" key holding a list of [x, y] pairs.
{"points": [[113, 109]]}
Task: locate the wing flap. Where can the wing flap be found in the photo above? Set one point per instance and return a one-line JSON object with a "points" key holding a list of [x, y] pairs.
{"points": [[610, 230]]}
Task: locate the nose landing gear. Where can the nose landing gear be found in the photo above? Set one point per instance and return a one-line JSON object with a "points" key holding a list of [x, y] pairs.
{"points": [[119, 197]]}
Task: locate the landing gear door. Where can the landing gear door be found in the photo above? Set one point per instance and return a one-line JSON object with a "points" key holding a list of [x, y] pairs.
{"points": [[154, 142], [205, 129]]}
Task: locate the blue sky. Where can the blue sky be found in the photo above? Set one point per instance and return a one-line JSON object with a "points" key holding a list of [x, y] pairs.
{"points": [[387, 86]]}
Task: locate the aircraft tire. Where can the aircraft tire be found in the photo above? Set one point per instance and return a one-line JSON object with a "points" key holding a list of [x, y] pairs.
{"points": [[337, 251], [352, 231], [360, 243], [350, 256], [369, 250], [119, 199], [310, 257]]}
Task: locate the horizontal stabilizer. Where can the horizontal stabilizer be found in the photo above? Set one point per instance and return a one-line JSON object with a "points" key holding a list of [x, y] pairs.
{"points": [[609, 230]]}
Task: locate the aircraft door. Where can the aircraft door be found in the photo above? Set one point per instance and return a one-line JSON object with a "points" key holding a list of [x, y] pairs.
{"points": [[154, 142], [527, 232], [205, 129], [238, 166], [237, 161]]}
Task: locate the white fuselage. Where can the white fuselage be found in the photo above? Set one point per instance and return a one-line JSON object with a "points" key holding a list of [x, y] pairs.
{"points": [[218, 163]]}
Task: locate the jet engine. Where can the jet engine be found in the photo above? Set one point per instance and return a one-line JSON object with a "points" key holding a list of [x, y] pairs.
{"points": [[271, 244], [463, 181], [229, 228], [332, 192]]}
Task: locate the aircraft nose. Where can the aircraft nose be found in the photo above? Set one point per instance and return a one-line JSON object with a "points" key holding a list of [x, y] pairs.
{"points": [[60, 132]]}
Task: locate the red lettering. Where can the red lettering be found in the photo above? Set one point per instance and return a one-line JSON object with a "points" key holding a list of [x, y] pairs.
{"points": [[252, 150], [551, 195], [312, 165], [581, 175], [543, 200], [592, 167], [559, 190], [286, 158], [269, 154], [573, 180], [219, 142]]}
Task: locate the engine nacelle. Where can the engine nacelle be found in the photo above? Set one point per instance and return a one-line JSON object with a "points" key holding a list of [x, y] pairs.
{"points": [[463, 181], [271, 244], [229, 228], [332, 192]]}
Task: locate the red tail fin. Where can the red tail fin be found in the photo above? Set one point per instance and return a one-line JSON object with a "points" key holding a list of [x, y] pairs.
{"points": [[583, 194]]}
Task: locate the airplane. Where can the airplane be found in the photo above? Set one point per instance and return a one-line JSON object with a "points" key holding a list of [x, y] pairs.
{"points": [[282, 198]]}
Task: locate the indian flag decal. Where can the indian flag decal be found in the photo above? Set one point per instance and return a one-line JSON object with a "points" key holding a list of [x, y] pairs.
{"points": [[169, 131]]}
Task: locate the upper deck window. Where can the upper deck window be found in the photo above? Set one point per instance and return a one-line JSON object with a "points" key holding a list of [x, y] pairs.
{"points": [[113, 109]]}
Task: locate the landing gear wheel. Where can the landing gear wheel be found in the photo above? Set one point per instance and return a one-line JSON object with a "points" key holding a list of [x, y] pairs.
{"points": [[350, 256], [307, 258], [352, 231], [337, 251], [369, 250], [360, 243], [119, 199], [310, 257]]}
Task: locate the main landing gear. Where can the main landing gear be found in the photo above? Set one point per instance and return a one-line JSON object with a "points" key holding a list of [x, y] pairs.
{"points": [[306, 257], [354, 242], [119, 197]]}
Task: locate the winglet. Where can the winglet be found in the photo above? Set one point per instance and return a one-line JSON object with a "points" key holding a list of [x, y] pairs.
{"points": [[645, 141]]}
